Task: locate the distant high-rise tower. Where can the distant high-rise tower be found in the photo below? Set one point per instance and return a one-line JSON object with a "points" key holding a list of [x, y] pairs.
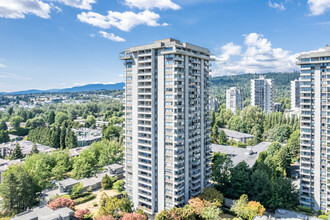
{"points": [[295, 95], [315, 130], [167, 123], [234, 99], [262, 94]]}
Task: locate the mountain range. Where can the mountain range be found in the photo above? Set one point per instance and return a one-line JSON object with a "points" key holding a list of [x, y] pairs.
{"points": [[85, 88]]}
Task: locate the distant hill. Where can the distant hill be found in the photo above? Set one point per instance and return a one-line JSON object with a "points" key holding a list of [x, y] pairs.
{"points": [[85, 88]]}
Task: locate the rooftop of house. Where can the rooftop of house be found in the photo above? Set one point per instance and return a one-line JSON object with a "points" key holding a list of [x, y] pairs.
{"points": [[237, 154], [43, 213], [26, 147], [114, 166], [236, 134]]}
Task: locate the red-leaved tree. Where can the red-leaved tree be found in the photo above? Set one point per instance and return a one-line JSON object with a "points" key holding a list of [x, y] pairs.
{"points": [[61, 202], [134, 216], [105, 217], [81, 213]]}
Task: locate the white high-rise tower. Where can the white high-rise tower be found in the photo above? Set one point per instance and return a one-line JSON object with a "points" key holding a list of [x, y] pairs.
{"points": [[167, 123], [262, 94], [315, 130]]}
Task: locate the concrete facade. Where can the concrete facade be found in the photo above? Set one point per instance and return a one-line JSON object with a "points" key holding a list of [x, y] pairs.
{"points": [[234, 99], [262, 94], [315, 130], [167, 117]]}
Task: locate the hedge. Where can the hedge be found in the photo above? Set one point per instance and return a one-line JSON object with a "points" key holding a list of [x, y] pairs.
{"points": [[305, 209], [84, 199], [323, 217]]}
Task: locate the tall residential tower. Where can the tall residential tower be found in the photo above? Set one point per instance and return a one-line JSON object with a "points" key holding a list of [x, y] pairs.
{"points": [[167, 123], [262, 94], [234, 99], [315, 130], [295, 95]]}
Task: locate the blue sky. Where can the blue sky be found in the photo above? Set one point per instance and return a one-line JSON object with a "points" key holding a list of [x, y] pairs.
{"points": [[62, 43]]}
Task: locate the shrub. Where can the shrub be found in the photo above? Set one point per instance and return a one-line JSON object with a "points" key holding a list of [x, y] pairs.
{"points": [[134, 216], [66, 196], [305, 209], [84, 199], [77, 190], [61, 202], [118, 185], [213, 196], [83, 214], [323, 217], [107, 182]]}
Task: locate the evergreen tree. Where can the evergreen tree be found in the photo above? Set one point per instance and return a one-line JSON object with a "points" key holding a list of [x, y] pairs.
{"points": [[215, 134], [70, 139], [34, 149], [4, 137], [8, 193], [222, 138], [62, 138], [3, 125], [17, 153], [213, 118], [51, 117]]}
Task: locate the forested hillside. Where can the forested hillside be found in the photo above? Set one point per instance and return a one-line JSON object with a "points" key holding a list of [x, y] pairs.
{"points": [[220, 84]]}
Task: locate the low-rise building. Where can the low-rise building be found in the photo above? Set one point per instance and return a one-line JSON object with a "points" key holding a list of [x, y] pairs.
{"points": [[45, 213], [87, 136], [7, 149], [236, 135], [237, 154]]}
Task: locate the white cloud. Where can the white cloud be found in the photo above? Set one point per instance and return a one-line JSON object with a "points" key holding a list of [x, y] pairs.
{"points": [[2, 65], [124, 21], [8, 75], [20, 8], [111, 36], [278, 6], [229, 50], [318, 7], [258, 57], [82, 4], [150, 4]]}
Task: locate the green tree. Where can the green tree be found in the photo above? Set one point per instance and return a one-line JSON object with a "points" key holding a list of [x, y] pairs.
{"points": [[273, 147], [34, 149], [283, 194], [222, 138], [51, 117], [213, 118], [112, 132], [3, 125], [240, 180], [16, 121], [17, 153], [60, 118], [76, 190], [294, 145], [215, 134], [211, 212], [84, 165], [220, 170], [213, 196], [110, 152], [118, 185], [114, 206], [107, 182], [90, 121], [4, 137], [19, 190]]}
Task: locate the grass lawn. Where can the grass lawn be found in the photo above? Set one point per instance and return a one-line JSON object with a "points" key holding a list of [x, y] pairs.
{"points": [[227, 216], [90, 204]]}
